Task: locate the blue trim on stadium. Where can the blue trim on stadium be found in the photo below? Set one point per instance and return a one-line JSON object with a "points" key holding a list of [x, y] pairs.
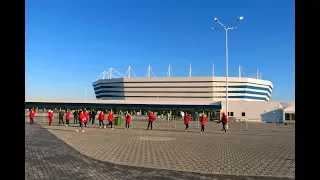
{"points": [[150, 82], [184, 97], [189, 92], [252, 87], [189, 87]]}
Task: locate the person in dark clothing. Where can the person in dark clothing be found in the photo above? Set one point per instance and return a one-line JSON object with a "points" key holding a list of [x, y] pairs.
{"points": [[79, 118], [93, 116], [75, 116], [61, 114]]}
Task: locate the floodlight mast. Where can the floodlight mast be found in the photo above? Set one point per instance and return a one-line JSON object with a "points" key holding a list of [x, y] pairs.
{"points": [[227, 58]]}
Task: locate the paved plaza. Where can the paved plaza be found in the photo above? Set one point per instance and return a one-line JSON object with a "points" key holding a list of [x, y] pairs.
{"points": [[262, 152]]}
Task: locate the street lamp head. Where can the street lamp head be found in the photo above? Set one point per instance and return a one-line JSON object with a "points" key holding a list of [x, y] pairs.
{"points": [[240, 18], [216, 19]]}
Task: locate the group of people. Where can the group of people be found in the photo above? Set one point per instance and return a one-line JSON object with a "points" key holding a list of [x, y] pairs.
{"points": [[84, 117], [203, 122]]}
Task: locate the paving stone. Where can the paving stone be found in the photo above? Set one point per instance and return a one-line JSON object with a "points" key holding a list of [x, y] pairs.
{"points": [[59, 152]]}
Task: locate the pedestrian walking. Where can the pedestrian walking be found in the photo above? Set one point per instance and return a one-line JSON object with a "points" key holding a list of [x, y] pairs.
{"points": [[82, 119], [86, 116], [68, 115], [224, 121], [110, 119], [61, 114], [128, 120], [203, 122], [92, 116], [75, 116], [151, 118], [50, 117], [31, 116], [186, 121], [101, 119], [169, 116]]}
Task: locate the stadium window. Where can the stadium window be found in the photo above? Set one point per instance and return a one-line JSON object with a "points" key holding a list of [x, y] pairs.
{"points": [[230, 113], [243, 113]]}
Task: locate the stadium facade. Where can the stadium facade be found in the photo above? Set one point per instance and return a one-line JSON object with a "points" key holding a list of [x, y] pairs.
{"points": [[179, 89]]}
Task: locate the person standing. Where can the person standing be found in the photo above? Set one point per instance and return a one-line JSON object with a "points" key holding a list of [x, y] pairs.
{"points": [[203, 122], [89, 119], [101, 119], [82, 119], [93, 115], [110, 119], [224, 121], [128, 120], [68, 115], [50, 117], [75, 116], [31, 116], [86, 116], [186, 121], [151, 119], [61, 114], [80, 110]]}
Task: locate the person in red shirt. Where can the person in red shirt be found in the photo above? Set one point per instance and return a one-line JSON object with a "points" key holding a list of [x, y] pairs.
{"points": [[224, 121], [186, 121], [68, 116], [50, 117], [101, 119], [203, 122], [82, 119], [86, 116], [31, 116], [110, 119], [151, 118], [128, 120]]}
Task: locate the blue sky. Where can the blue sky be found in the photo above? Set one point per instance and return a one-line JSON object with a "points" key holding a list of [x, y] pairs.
{"points": [[69, 43]]}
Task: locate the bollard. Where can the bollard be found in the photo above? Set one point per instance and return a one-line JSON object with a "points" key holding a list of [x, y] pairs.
{"points": [[213, 123], [246, 125], [198, 122], [273, 126], [173, 122]]}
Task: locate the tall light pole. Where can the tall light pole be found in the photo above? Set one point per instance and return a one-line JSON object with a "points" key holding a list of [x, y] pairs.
{"points": [[227, 29]]}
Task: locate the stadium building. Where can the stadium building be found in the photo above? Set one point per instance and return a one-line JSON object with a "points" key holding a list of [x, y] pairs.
{"points": [[200, 89]]}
